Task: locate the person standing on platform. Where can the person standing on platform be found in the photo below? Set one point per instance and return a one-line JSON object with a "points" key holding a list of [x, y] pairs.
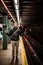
{"points": [[14, 34]]}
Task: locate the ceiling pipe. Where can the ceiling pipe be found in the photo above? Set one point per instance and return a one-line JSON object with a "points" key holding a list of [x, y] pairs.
{"points": [[13, 18]]}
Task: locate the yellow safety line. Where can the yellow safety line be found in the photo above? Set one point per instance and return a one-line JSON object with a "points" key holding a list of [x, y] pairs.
{"points": [[23, 53]]}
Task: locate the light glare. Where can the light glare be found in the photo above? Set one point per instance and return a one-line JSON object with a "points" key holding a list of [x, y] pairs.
{"points": [[16, 1]]}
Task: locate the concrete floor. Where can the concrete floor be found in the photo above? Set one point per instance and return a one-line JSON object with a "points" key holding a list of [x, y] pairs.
{"points": [[6, 55]]}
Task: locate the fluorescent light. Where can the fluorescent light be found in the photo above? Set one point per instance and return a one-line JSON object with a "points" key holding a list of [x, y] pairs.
{"points": [[17, 7], [16, 4], [16, 1]]}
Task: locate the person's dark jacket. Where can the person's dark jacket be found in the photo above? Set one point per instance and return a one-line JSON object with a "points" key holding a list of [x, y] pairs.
{"points": [[15, 37]]}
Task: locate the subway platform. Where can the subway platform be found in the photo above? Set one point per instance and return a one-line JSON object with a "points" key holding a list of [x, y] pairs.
{"points": [[6, 55]]}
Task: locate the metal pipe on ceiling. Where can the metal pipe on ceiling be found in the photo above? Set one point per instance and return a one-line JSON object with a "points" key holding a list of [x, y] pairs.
{"points": [[13, 18]]}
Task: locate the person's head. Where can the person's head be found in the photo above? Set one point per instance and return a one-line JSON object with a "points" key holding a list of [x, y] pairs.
{"points": [[15, 24]]}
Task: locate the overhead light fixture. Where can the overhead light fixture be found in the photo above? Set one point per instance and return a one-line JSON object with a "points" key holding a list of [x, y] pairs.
{"points": [[17, 7], [16, 4], [16, 1]]}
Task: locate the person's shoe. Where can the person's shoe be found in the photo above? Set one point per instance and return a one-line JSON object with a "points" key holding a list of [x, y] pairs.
{"points": [[12, 61], [16, 62]]}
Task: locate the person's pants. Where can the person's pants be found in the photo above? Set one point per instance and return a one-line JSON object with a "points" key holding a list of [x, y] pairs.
{"points": [[15, 45]]}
